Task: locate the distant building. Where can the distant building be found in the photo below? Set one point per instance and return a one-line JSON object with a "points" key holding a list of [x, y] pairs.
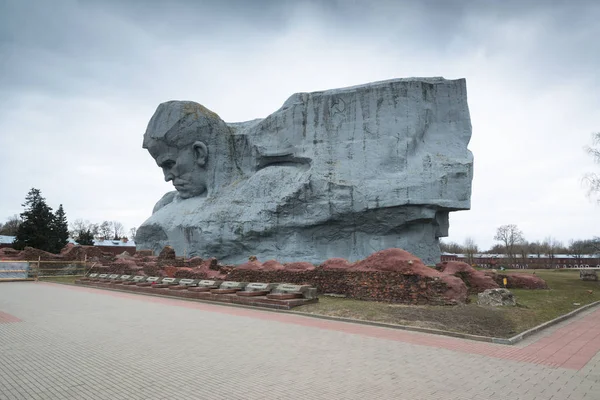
{"points": [[116, 246], [6, 241], [108, 246], [531, 261]]}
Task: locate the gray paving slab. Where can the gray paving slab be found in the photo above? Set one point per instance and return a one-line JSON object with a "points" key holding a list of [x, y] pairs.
{"points": [[90, 344]]}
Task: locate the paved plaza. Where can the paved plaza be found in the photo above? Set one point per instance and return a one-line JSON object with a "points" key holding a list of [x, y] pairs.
{"points": [[68, 342]]}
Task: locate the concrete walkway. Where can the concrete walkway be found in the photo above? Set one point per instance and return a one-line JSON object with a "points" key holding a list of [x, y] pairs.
{"points": [[64, 342]]}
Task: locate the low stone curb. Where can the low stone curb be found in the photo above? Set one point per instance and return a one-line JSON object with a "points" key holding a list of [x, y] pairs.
{"points": [[506, 341]]}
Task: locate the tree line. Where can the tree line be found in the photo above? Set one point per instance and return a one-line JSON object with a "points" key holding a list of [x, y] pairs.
{"points": [[512, 243], [37, 226]]}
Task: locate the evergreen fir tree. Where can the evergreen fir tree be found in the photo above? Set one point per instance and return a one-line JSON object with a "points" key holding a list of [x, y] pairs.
{"points": [[60, 231], [37, 220], [85, 238]]}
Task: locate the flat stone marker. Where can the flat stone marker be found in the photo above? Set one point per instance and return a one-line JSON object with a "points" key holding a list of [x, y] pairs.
{"points": [[184, 283], [229, 287], [206, 285], [135, 280], [166, 282], [102, 277], [122, 279], [256, 289], [113, 276], [287, 291], [151, 280], [90, 277]]}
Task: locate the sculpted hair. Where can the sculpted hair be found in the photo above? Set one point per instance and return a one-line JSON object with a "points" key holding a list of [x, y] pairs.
{"points": [[181, 123]]}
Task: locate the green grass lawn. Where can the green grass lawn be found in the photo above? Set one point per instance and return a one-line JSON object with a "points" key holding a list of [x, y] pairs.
{"points": [[533, 308], [60, 279], [567, 292]]}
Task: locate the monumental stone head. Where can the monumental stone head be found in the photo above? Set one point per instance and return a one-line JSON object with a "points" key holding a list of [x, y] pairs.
{"points": [[187, 140]]}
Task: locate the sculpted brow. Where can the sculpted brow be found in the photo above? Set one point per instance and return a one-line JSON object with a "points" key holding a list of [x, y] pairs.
{"points": [[166, 163]]}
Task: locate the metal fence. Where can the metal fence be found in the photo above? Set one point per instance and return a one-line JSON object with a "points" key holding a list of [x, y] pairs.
{"points": [[14, 270]]}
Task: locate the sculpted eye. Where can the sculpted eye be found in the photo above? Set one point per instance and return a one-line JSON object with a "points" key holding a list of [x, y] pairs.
{"points": [[167, 164]]}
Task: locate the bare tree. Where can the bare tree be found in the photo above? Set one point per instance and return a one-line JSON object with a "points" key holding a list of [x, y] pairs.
{"points": [[495, 249], [132, 232], [84, 232], [118, 230], [536, 248], [592, 180], [510, 236], [10, 227], [551, 247], [80, 226], [470, 249], [451, 247], [105, 230]]}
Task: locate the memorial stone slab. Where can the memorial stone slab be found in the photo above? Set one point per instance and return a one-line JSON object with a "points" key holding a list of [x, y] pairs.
{"points": [[122, 279], [206, 285], [229, 287], [90, 277], [286, 291], [151, 280], [184, 283], [207, 282], [166, 282], [135, 280], [255, 289]]}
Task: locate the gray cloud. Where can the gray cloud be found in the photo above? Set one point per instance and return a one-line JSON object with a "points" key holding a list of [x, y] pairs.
{"points": [[80, 79]]}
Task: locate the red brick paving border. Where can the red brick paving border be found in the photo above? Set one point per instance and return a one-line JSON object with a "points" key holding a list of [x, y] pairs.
{"points": [[6, 318], [571, 346]]}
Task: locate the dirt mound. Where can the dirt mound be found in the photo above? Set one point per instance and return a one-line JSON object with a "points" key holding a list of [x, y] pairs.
{"points": [[336, 264], [272, 265], [251, 266], [81, 252], [457, 291], [67, 248], [124, 255], [255, 265], [144, 253], [395, 260], [32, 254], [522, 281], [299, 266], [194, 262], [476, 281], [185, 272], [9, 252], [167, 253], [405, 263]]}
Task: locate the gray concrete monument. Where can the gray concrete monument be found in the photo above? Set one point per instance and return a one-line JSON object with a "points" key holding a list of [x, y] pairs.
{"points": [[337, 173]]}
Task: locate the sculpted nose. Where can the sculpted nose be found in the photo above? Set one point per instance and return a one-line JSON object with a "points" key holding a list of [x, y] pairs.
{"points": [[169, 176]]}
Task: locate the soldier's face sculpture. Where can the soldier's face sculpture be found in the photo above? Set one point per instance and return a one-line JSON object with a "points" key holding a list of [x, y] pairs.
{"points": [[185, 167]]}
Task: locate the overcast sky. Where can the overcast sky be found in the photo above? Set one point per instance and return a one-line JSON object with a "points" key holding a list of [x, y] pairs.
{"points": [[79, 81]]}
